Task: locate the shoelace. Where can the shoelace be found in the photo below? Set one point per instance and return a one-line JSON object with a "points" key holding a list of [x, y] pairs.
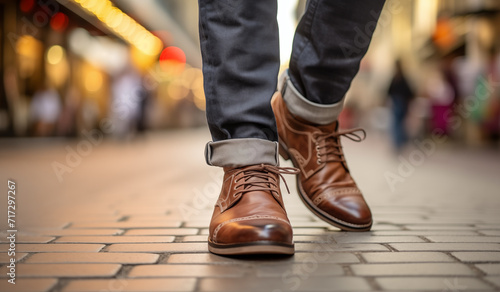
{"points": [[332, 144], [262, 178]]}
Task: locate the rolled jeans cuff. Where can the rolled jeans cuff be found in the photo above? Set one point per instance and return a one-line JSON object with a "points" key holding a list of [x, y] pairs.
{"points": [[241, 152], [298, 105]]}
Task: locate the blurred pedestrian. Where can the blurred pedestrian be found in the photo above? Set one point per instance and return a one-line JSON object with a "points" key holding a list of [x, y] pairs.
{"points": [[127, 93], [400, 94], [240, 50], [45, 109]]}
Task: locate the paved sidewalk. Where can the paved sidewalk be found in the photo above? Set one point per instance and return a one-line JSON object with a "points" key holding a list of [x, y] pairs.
{"points": [[134, 216]]}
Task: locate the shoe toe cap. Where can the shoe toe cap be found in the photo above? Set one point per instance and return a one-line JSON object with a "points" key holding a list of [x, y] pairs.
{"points": [[350, 209], [254, 231]]}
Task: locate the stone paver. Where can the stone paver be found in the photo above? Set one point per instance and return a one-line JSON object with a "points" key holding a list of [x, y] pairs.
{"points": [[31, 285], [163, 231], [114, 239], [489, 269], [477, 256], [101, 257], [412, 269], [287, 283], [495, 280], [64, 270], [196, 238], [376, 239], [425, 232], [444, 227], [53, 247], [332, 247], [160, 247], [5, 258], [128, 225], [432, 284], [490, 232], [406, 257], [446, 246], [309, 269], [177, 271], [21, 238], [131, 285], [484, 239], [76, 232]]}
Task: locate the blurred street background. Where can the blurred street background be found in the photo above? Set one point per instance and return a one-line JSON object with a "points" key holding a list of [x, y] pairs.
{"points": [[126, 67], [102, 127]]}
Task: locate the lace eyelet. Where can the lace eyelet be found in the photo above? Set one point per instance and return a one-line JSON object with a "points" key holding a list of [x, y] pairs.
{"points": [[318, 161]]}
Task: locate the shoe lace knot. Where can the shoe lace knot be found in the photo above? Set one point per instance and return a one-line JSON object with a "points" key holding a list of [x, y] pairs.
{"points": [[328, 147], [262, 177]]}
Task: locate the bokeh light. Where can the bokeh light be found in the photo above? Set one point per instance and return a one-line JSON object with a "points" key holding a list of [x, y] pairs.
{"points": [[126, 27], [173, 60], [59, 22], [26, 5], [29, 50], [55, 55], [93, 81]]}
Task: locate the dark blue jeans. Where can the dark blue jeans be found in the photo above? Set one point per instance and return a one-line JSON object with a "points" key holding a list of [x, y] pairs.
{"points": [[240, 51]]}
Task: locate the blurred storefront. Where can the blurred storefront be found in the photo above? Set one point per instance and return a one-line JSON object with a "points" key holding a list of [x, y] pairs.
{"points": [[74, 65]]}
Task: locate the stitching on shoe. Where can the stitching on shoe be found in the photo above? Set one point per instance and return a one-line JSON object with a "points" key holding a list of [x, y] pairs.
{"points": [[223, 203], [216, 230], [317, 209], [343, 191]]}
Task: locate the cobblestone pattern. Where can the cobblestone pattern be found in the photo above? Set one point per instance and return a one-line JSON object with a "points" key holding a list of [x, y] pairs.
{"points": [[140, 256], [133, 239]]}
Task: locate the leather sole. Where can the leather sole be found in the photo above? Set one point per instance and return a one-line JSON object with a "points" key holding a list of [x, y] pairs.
{"points": [[313, 208], [259, 247]]}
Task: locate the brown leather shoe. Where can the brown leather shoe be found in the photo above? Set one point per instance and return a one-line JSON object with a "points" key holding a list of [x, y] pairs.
{"points": [[249, 216], [324, 182]]}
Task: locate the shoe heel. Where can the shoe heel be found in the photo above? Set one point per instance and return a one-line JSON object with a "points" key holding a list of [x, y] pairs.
{"points": [[283, 152]]}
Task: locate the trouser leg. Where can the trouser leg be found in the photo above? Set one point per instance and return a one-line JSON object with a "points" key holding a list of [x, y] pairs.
{"points": [[331, 39], [240, 51]]}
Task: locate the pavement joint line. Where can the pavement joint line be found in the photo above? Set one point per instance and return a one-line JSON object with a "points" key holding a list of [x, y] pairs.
{"points": [[179, 238], [490, 283], [163, 258], [197, 284], [450, 254], [403, 227], [479, 273], [387, 245], [373, 283], [347, 270], [105, 248], [424, 238], [123, 272], [53, 239], [123, 218], [29, 254], [360, 258], [60, 284]]}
